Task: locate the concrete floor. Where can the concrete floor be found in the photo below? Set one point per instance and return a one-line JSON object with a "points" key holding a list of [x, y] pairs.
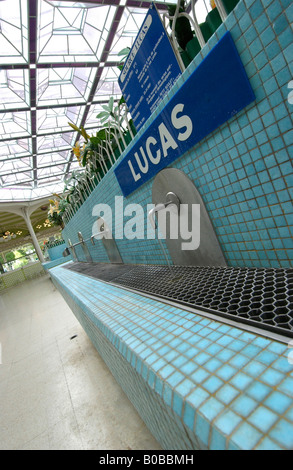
{"points": [[56, 393]]}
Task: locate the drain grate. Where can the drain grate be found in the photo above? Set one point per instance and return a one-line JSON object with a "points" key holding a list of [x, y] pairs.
{"points": [[259, 297]]}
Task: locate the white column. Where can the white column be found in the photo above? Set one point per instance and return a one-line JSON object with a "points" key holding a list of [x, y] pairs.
{"points": [[25, 215]]}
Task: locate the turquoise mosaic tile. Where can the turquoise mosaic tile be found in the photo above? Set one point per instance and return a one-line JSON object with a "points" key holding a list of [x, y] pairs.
{"points": [[245, 432], [283, 433], [51, 264], [267, 444], [227, 422], [263, 419], [244, 406], [233, 390], [227, 393]]}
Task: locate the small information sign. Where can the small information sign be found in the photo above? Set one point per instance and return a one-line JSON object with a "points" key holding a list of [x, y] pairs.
{"points": [[150, 70], [215, 91]]}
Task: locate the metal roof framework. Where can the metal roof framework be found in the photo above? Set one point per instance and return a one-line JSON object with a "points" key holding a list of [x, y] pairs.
{"points": [[58, 64]]}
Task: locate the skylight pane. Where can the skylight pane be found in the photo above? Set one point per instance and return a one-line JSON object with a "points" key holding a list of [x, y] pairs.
{"points": [[74, 166], [63, 85], [56, 142], [13, 32], [56, 120], [52, 160], [52, 180], [47, 176], [73, 29], [108, 84], [19, 178], [13, 89], [15, 194], [56, 45], [130, 23], [10, 167], [15, 124], [15, 149]]}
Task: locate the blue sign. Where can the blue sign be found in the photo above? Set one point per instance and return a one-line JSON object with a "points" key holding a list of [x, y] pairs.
{"points": [[150, 71], [216, 90]]}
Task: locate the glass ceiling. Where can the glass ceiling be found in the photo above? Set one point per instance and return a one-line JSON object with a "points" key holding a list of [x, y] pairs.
{"points": [[58, 64]]}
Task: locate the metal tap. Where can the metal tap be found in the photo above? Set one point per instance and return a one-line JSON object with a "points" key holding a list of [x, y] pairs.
{"points": [[171, 200], [98, 233]]}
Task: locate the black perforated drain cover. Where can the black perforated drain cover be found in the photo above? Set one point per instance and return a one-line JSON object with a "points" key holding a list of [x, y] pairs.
{"points": [[259, 297]]}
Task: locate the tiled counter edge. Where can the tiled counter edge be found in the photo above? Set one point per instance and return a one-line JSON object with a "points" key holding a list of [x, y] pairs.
{"points": [[197, 383], [56, 262]]}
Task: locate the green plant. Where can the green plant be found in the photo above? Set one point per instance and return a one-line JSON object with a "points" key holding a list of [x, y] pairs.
{"points": [[19, 261], [70, 183], [108, 112], [10, 256], [112, 114], [57, 209], [123, 54], [55, 219], [91, 145]]}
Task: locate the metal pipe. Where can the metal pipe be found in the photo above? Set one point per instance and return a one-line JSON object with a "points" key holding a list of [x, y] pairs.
{"points": [[85, 184], [77, 244], [107, 144], [108, 141], [96, 234], [102, 160], [173, 38], [221, 9], [83, 241], [115, 125], [171, 200], [197, 29], [73, 250], [117, 141], [92, 184], [126, 120], [71, 211], [153, 211]]}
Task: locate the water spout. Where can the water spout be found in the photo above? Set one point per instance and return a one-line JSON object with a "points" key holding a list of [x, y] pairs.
{"points": [[92, 239], [171, 200]]}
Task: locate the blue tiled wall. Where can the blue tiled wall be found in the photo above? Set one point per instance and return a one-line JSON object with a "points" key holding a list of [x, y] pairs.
{"points": [[243, 170], [56, 252]]}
